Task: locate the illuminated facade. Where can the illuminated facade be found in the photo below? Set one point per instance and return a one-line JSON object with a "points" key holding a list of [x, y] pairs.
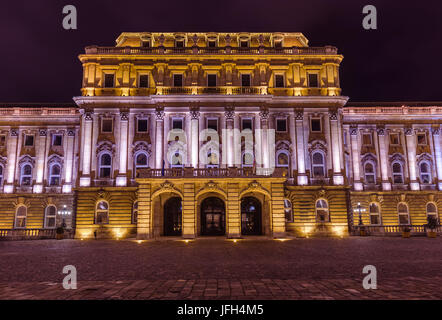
{"points": [[183, 134]]}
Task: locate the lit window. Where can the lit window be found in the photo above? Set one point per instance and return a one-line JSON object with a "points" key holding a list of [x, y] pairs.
{"points": [[245, 80], [425, 172], [370, 175], [431, 209], [135, 212], [29, 140], [322, 214], [404, 217], [20, 217], [26, 175], [105, 165], [313, 80], [375, 216], [422, 139], [106, 125], [315, 125], [108, 80], [288, 210], [279, 81], [50, 216], [177, 80], [318, 165], [281, 125], [282, 160], [143, 81], [57, 139], [398, 176], [211, 80], [102, 213], [394, 139], [54, 175], [142, 125]]}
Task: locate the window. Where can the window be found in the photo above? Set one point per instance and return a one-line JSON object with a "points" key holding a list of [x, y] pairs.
{"points": [[108, 80], [2, 140], [247, 159], [246, 124], [29, 140], [279, 81], [313, 80], [398, 176], [394, 139], [142, 125], [431, 210], [278, 43], [177, 80], [281, 125], [179, 43], [288, 210], [245, 80], [367, 139], [425, 172], [50, 216], [135, 212], [105, 165], [421, 139], [212, 159], [402, 210], [244, 43], [141, 160], [102, 213], [26, 175], [322, 211], [20, 217], [54, 175], [370, 175], [211, 43], [211, 80], [143, 81], [375, 216], [145, 43], [318, 165], [315, 125], [212, 124], [177, 160], [1, 175], [106, 125], [57, 139], [177, 123], [282, 159]]}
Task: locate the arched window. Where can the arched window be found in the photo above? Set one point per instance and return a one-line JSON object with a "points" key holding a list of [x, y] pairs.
{"points": [[398, 176], [370, 173], [402, 210], [322, 213], [247, 159], [432, 210], [105, 165], [50, 216], [318, 165], [135, 212], [102, 213], [26, 175], [375, 214], [288, 210], [54, 174], [425, 172], [20, 217], [282, 159], [177, 160], [141, 160]]}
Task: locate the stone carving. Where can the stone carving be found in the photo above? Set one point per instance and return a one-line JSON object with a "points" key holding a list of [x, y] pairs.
{"points": [[71, 133], [435, 131], [159, 114], [299, 115], [43, 133], [194, 114], [124, 116], [353, 131], [408, 131], [14, 132], [88, 116], [381, 132], [333, 115], [264, 114]]}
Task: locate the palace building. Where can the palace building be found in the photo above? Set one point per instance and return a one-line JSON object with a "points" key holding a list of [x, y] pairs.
{"points": [[227, 134]]}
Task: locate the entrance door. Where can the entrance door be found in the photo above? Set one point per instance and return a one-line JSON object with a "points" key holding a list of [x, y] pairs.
{"points": [[250, 216], [172, 217], [213, 217]]}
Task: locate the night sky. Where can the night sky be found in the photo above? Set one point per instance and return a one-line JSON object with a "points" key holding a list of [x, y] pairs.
{"points": [[401, 61]]}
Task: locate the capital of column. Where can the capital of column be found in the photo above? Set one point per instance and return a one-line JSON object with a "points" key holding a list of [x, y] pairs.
{"points": [[124, 116], [408, 131], [13, 132], [159, 113], [194, 114], [42, 132], [354, 131], [435, 131], [264, 114], [88, 115], [380, 131], [71, 133], [229, 113], [299, 115], [333, 115]]}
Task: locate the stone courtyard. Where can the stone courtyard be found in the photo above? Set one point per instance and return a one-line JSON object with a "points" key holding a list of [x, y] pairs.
{"points": [[216, 268]]}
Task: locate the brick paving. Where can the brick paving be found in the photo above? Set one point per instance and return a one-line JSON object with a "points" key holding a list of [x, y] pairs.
{"points": [[209, 269]]}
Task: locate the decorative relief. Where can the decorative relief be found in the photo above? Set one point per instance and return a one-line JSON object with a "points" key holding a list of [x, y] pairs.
{"points": [[435, 131], [299, 115], [264, 114], [88, 116], [105, 146], [14, 132], [353, 130], [333, 115], [141, 146], [381, 132], [159, 113], [124, 116], [194, 114], [71, 133], [408, 131], [43, 132], [229, 113]]}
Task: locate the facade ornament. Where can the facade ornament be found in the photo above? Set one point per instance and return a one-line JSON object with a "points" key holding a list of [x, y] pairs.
{"points": [[159, 112], [264, 114], [354, 130], [228, 39], [88, 116], [124, 116], [380, 131], [194, 114], [435, 131], [14, 132], [42, 132], [408, 131], [333, 115], [195, 40], [71, 133], [161, 40], [299, 115], [261, 40], [229, 114]]}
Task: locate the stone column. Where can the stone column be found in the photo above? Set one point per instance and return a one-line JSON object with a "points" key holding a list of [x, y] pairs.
{"points": [[411, 151], [86, 140], [11, 161], [159, 138], [338, 178], [438, 156], [40, 150], [189, 211], [194, 137], [292, 129], [264, 115], [383, 155], [300, 148], [228, 152], [144, 221], [356, 157], [121, 179], [69, 162], [233, 222]]}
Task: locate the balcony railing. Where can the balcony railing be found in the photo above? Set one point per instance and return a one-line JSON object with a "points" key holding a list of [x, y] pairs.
{"points": [[232, 172], [391, 229], [32, 233]]}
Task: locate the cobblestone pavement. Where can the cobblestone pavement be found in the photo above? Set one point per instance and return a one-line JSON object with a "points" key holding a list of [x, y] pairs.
{"points": [[318, 268]]}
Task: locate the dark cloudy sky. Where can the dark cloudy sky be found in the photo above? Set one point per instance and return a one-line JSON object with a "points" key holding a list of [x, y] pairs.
{"points": [[401, 61]]}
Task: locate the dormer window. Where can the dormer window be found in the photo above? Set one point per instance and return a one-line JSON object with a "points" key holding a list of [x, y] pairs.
{"points": [[244, 43], [179, 43], [211, 43]]}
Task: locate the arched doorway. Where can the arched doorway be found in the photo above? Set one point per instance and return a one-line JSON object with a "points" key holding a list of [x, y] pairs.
{"points": [[173, 217], [251, 216], [213, 217]]}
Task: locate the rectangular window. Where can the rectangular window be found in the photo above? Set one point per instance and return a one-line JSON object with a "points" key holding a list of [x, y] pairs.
{"points": [[316, 125], [211, 43], [394, 139], [145, 43], [29, 140], [244, 43], [179, 43], [278, 43], [108, 80], [281, 125], [178, 80], [177, 123], [245, 80], [247, 124], [142, 125], [106, 125], [313, 80], [211, 80], [279, 81], [366, 139], [212, 124], [143, 81], [422, 139], [57, 139], [2, 140]]}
